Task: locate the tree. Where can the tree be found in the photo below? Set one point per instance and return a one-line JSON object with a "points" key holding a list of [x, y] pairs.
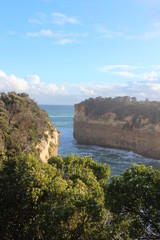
{"points": [[69, 198], [60, 200], [133, 199]]}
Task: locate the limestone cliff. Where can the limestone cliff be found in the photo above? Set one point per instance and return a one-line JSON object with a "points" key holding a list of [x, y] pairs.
{"points": [[24, 127], [121, 122]]}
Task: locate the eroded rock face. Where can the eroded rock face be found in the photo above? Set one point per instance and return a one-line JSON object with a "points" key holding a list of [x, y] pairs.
{"points": [[24, 127], [48, 147], [120, 123]]}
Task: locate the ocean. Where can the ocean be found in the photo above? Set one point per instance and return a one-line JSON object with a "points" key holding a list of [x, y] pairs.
{"points": [[119, 160]]}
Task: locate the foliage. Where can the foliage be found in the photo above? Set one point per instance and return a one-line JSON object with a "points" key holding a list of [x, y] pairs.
{"points": [[69, 198], [123, 107], [22, 123], [60, 200], [133, 199]]}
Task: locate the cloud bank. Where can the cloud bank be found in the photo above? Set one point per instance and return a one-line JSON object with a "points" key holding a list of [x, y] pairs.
{"points": [[51, 93], [31, 84]]}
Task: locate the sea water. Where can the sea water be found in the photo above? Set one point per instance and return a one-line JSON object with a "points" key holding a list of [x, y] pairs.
{"points": [[119, 160]]}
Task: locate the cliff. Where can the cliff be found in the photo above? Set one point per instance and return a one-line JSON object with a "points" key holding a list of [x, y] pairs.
{"points": [[121, 123], [24, 127]]}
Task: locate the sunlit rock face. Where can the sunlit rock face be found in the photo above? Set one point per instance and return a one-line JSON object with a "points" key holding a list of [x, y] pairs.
{"points": [[24, 127], [122, 123], [48, 147]]}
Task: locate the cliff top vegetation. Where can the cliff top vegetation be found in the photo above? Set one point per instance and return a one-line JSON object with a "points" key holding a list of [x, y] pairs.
{"points": [[22, 123], [122, 107]]}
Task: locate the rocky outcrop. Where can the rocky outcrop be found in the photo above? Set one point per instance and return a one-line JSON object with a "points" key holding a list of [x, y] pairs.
{"points": [[24, 127], [48, 148], [121, 123]]}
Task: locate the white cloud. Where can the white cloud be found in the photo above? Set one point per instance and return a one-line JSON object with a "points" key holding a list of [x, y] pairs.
{"points": [[46, 33], [157, 67], [142, 84], [152, 33], [86, 91], [132, 71], [32, 34], [148, 86], [33, 79], [125, 74], [61, 37], [152, 76], [155, 87], [56, 34], [56, 18], [2, 74], [65, 41], [38, 87], [40, 19], [32, 85], [12, 83], [141, 89], [60, 34], [106, 33], [60, 19], [123, 67]]}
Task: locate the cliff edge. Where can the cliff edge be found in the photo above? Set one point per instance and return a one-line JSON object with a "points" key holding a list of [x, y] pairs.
{"points": [[24, 127], [122, 123]]}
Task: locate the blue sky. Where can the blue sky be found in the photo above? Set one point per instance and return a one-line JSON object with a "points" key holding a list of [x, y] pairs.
{"points": [[64, 51]]}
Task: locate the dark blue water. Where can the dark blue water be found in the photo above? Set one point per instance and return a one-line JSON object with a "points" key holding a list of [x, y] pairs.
{"points": [[62, 118]]}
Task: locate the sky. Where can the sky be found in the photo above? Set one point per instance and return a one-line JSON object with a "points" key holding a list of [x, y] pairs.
{"points": [[65, 51]]}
